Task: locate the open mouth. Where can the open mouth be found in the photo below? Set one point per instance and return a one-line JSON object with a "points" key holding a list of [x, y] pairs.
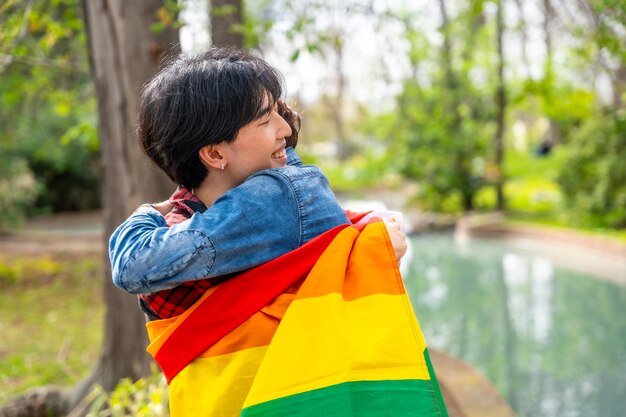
{"points": [[279, 154]]}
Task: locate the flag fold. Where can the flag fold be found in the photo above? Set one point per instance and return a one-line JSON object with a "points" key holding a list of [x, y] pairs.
{"points": [[325, 330]]}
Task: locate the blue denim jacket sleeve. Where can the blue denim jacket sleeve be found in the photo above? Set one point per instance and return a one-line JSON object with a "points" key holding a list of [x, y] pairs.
{"points": [[249, 225], [147, 256]]}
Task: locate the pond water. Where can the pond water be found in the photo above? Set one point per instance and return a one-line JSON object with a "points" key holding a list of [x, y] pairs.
{"points": [[552, 341]]}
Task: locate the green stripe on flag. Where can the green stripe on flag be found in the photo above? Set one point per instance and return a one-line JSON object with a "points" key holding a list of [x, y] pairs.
{"points": [[433, 379], [406, 398]]}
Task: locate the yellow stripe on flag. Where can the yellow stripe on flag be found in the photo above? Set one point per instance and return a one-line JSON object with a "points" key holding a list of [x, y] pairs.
{"points": [[325, 340], [215, 386]]}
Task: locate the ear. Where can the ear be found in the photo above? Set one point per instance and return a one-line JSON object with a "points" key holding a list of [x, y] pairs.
{"points": [[211, 156]]}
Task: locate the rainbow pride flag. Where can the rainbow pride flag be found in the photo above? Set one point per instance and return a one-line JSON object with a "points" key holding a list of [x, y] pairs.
{"points": [[325, 330]]}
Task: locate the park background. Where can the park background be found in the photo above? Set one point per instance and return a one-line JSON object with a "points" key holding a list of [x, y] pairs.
{"points": [[442, 109]]}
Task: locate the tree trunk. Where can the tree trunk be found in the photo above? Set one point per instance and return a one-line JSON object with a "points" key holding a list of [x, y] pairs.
{"points": [[523, 28], [446, 52], [124, 54], [552, 136], [619, 87], [226, 15], [498, 140], [335, 103], [452, 87]]}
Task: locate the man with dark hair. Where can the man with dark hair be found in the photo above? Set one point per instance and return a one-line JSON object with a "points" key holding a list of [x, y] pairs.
{"points": [[216, 125]]}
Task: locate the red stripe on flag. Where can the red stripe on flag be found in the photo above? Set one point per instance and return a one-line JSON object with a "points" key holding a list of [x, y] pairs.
{"points": [[356, 216], [235, 301]]}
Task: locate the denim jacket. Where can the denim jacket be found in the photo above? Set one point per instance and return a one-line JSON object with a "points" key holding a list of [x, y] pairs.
{"points": [[273, 212]]}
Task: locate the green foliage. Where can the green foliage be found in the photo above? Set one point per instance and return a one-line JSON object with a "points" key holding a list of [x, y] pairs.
{"points": [[611, 25], [257, 23], [20, 271], [562, 103], [439, 134], [147, 397], [370, 168], [593, 177], [443, 144], [533, 196], [47, 102], [9, 275], [18, 191], [531, 185], [167, 16], [441, 128]]}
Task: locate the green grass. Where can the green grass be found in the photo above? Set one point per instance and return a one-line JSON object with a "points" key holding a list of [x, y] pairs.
{"points": [[528, 166], [51, 318], [531, 185], [533, 196]]}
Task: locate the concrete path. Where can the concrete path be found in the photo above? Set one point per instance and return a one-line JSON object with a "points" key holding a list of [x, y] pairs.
{"points": [[66, 233], [466, 392]]}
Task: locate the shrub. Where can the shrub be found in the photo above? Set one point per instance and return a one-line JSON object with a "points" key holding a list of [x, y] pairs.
{"points": [[18, 190], [147, 397], [593, 177]]}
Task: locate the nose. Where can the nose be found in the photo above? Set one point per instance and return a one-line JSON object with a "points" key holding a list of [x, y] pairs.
{"points": [[284, 130]]}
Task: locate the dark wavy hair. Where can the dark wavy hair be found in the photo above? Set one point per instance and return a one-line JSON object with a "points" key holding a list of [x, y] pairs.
{"points": [[205, 99]]}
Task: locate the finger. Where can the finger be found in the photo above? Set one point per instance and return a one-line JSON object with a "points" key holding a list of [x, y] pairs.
{"points": [[392, 226], [163, 207]]}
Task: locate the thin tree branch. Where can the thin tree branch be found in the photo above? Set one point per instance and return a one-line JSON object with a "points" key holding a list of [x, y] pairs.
{"points": [[7, 59], [21, 34]]}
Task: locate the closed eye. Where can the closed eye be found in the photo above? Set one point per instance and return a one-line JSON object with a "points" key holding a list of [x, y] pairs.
{"points": [[265, 118]]}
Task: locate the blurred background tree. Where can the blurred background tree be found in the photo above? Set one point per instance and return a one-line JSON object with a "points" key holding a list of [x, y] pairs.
{"points": [[593, 177], [47, 108], [403, 93]]}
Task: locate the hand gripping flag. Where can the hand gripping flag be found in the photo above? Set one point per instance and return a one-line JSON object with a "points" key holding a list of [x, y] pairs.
{"points": [[325, 330]]}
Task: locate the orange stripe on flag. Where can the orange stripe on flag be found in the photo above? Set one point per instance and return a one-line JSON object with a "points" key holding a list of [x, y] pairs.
{"points": [[217, 315], [343, 260]]}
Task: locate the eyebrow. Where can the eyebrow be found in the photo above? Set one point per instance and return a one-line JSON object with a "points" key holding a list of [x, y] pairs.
{"points": [[265, 111]]}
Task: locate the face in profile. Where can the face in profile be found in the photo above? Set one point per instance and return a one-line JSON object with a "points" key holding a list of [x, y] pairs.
{"points": [[258, 145]]}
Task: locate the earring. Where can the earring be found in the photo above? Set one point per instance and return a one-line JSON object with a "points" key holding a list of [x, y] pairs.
{"points": [[222, 166]]}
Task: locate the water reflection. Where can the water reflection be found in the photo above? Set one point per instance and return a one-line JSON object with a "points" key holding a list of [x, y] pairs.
{"points": [[551, 340]]}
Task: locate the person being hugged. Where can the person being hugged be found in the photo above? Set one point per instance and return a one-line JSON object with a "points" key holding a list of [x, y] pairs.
{"points": [[216, 125]]}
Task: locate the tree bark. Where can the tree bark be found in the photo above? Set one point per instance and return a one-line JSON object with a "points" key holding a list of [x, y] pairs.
{"points": [[452, 87], [226, 15], [552, 136], [336, 103], [446, 50], [501, 102], [124, 54], [523, 28]]}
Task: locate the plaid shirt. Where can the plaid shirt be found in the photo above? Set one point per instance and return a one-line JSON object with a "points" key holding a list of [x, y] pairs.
{"points": [[172, 302]]}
